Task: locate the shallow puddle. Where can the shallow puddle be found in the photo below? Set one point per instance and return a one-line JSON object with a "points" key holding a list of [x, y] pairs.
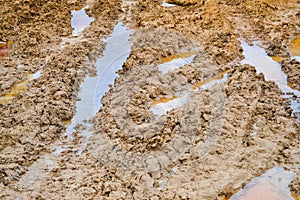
{"points": [[164, 4], [177, 56], [208, 83], [5, 48], [175, 61], [20, 87], [257, 57], [274, 184], [80, 20], [163, 107], [164, 104], [162, 100], [277, 58], [93, 88]]}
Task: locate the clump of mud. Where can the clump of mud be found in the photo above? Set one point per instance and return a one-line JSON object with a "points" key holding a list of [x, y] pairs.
{"points": [[205, 22], [292, 69]]}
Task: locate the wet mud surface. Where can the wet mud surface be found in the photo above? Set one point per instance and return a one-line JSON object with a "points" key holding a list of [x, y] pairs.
{"points": [[186, 117], [291, 68]]}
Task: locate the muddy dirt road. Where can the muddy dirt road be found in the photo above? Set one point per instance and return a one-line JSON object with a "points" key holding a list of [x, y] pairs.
{"points": [[181, 99]]}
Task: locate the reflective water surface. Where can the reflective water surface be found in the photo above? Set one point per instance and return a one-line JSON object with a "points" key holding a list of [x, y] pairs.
{"points": [[208, 83], [162, 100], [272, 185], [93, 88], [257, 57], [175, 61], [164, 4], [165, 106], [80, 20]]}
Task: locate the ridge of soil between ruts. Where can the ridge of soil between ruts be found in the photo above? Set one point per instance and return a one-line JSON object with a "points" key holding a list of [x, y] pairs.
{"points": [[264, 136]]}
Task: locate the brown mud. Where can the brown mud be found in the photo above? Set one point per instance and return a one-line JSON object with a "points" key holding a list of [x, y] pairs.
{"points": [[34, 118], [291, 68], [208, 146]]}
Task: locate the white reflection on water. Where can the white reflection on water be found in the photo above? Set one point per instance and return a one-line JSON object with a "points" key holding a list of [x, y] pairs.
{"points": [[257, 57], [272, 185], [80, 20]]}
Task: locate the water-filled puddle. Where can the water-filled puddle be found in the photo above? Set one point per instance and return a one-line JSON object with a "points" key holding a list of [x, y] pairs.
{"points": [[208, 83], [177, 56], [20, 87], [175, 61], [277, 58], [164, 4], [162, 100], [167, 105], [5, 48], [273, 184], [256, 56], [164, 104], [93, 88], [80, 20]]}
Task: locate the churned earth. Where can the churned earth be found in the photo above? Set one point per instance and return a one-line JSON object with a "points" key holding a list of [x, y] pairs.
{"points": [[184, 119]]}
